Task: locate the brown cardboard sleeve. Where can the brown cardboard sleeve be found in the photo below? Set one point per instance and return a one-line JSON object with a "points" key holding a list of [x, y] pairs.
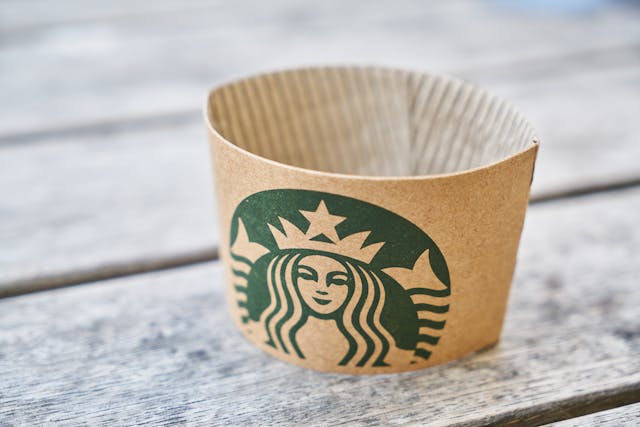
{"points": [[370, 217]]}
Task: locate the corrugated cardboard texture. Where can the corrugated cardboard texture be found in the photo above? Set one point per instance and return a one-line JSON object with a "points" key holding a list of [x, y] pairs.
{"points": [[370, 217]]}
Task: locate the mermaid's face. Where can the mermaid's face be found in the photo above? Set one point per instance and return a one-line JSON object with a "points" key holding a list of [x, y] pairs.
{"points": [[322, 282]]}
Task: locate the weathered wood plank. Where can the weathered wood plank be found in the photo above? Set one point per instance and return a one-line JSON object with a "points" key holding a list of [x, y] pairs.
{"points": [[91, 202], [628, 415], [34, 15], [82, 207], [159, 348], [586, 124], [106, 61]]}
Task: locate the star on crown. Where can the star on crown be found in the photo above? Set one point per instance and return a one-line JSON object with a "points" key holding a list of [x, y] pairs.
{"points": [[322, 223]]}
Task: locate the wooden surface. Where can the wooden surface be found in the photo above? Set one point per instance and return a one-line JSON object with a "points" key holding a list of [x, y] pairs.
{"points": [[95, 201], [623, 416], [97, 196], [161, 347], [104, 172], [107, 62]]}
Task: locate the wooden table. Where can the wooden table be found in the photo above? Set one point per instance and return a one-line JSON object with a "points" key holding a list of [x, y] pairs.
{"points": [[105, 184]]}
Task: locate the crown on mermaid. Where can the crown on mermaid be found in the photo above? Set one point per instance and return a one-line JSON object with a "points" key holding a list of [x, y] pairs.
{"points": [[321, 222]]}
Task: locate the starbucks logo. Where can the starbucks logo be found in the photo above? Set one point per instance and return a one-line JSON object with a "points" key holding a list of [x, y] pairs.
{"points": [[328, 277]]}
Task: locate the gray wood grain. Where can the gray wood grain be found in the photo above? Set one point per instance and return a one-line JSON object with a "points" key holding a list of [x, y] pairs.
{"points": [[87, 206], [84, 202], [628, 415], [586, 121], [91, 202], [68, 65], [160, 348]]}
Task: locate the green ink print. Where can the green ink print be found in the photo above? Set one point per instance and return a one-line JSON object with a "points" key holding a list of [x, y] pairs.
{"points": [[373, 281]]}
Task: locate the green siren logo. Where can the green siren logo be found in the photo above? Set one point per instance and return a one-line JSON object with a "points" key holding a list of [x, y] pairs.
{"points": [[321, 276]]}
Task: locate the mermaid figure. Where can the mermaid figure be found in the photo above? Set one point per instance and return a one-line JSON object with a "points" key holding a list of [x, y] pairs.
{"points": [[315, 277]]}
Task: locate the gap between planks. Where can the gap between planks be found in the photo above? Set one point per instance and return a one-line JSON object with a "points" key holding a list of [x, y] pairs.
{"points": [[196, 256], [621, 415], [108, 271], [569, 408]]}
